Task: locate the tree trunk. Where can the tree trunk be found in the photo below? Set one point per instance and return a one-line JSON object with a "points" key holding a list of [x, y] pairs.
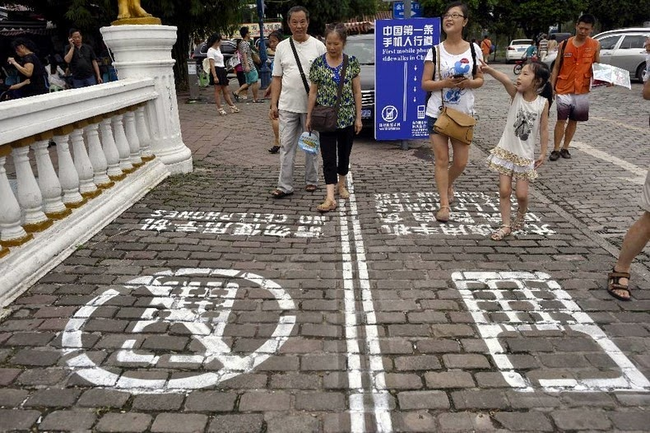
{"points": [[180, 54]]}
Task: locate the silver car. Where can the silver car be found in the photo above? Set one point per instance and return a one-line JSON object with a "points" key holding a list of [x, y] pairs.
{"points": [[623, 48]]}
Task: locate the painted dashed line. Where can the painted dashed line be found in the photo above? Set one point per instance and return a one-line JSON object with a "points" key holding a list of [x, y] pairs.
{"points": [[359, 396], [639, 172]]}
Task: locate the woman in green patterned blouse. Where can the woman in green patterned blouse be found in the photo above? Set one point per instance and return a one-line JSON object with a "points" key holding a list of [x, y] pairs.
{"points": [[325, 76]]}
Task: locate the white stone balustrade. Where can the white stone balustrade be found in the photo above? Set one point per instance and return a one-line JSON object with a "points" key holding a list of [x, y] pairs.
{"points": [[101, 132]]}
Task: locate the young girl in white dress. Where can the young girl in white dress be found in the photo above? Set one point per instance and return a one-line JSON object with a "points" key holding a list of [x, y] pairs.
{"points": [[514, 156]]}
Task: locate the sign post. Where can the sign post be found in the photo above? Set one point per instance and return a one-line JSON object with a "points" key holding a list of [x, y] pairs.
{"points": [[400, 49]]}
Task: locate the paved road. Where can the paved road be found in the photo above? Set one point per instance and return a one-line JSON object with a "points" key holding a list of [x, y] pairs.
{"points": [[210, 307]]}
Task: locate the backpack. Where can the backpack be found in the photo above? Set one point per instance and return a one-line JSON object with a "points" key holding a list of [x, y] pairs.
{"points": [[206, 65]]}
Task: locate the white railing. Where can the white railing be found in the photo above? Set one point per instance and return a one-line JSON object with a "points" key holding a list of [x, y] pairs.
{"points": [[53, 198]]}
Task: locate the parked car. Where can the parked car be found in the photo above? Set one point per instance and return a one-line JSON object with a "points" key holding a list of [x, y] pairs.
{"points": [[363, 48], [622, 48], [516, 49]]}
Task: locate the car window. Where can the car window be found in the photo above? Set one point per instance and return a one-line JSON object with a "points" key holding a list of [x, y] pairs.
{"points": [[521, 42], [608, 43], [632, 41], [362, 49]]}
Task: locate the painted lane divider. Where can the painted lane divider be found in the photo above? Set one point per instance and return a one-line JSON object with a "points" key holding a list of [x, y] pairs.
{"points": [[378, 396]]}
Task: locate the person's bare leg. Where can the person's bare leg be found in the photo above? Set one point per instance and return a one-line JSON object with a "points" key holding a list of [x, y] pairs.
{"points": [[342, 188], [441, 155], [569, 132], [461, 155], [255, 87], [635, 240], [558, 134], [217, 97]]}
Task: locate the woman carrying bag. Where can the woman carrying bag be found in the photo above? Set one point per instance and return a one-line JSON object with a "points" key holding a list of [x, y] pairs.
{"points": [[335, 83], [450, 73]]}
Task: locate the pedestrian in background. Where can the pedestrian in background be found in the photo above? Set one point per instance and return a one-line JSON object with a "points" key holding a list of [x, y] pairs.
{"points": [[552, 44], [274, 39], [636, 238], [325, 76], [218, 74], [290, 88], [30, 69], [542, 47], [459, 75], [514, 155], [486, 48], [82, 61], [571, 82], [250, 71]]}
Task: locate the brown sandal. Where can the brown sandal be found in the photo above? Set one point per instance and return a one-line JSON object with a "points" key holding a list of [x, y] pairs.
{"points": [[326, 206], [344, 193], [443, 214], [614, 284], [311, 188]]}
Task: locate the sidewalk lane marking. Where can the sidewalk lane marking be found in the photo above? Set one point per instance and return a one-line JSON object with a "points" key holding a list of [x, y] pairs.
{"points": [[379, 393], [473, 213], [635, 169], [622, 125], [195, 298], [234, 223], [527, 302]]}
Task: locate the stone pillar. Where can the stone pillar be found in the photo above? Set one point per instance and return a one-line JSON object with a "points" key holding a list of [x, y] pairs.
{"points": [[144, 51]]}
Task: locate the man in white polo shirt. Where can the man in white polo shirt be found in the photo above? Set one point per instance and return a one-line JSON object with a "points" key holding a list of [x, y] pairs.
{"points": [[289, 94]]}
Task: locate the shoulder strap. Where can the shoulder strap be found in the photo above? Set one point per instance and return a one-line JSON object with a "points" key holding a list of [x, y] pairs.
{"points": [[561, 54], [471, 47], [341, 82], [302, 73], [442, 97], [433, 52]]}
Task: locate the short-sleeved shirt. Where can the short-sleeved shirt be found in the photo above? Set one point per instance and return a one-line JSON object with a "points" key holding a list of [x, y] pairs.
{"points": [[450, 65], [81, 64], [244, 47], [36, 84], [293, 97], [216, 55], [328, 78]]}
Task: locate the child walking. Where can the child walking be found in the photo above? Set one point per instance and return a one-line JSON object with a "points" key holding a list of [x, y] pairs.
{"points": [[514, 156]]}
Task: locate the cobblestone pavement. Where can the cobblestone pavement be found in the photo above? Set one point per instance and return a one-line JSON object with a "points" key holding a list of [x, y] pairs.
{"points": [[210, 307]]}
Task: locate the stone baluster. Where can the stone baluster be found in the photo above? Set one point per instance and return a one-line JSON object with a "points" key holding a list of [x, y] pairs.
{"points": [[67, 172], [11, 232], [110, 150], [96, 154], [122, 143], [29, 193], [82, 163], [143, 134], [48, 180], [132, 137]]}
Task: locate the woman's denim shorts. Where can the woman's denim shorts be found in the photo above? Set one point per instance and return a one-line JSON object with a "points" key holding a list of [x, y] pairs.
{"points": [[430, 122]]}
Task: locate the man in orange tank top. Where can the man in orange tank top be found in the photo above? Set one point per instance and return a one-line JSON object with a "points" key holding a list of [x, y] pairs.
{"points": [[571, 79]]}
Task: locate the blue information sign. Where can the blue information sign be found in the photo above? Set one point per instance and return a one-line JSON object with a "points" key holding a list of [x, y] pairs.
{"points": [[400, 49], [398, 10]]}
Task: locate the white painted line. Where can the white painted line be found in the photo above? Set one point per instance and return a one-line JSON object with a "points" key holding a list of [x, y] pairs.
{"points": [[542, 310], [639, 172], [380, 395]]}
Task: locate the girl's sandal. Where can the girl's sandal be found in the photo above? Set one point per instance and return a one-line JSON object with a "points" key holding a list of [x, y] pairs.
{"points": [[520, 220], [501, 233], [234, 109], [221, 112], [443, 214], [614, 286]]}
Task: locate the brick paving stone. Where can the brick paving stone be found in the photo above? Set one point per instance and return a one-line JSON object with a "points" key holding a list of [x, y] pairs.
{"points": [[581, 420], [42, 377], [264, 401], [103, 398], [162, 402], [295, 381], [419, 362], [30, 339], [336, 423], [68, 420], [280, 423], [124, 422], [179, 423], [247, 423], [403, 381], [585, 399], [322, 362], [479, 399], [7, 375], [449, 379], [417, 400], [53, 397], [518, 421], [417, 421], [465, 361], [320, 401], [12, 397], [210, 401], [17, 419], [630, 420], [465, 421]]}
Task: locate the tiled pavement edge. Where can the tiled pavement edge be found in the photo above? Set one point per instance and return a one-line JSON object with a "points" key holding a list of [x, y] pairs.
{"points": [[436, 365]]}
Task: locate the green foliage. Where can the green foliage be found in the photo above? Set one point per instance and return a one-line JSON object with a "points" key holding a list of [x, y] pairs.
{"points": [[322, 12], [627, 13]]}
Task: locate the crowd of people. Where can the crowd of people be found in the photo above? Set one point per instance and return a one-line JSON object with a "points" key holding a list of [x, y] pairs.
{"points": [[28, 74], [309, 74]]}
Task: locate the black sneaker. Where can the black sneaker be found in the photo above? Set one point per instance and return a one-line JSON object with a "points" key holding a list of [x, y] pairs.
{"points": [[555, 155], [564, 153]]}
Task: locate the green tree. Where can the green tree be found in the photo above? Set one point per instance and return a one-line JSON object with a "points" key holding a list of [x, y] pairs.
{"points": [[626, 13]]}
